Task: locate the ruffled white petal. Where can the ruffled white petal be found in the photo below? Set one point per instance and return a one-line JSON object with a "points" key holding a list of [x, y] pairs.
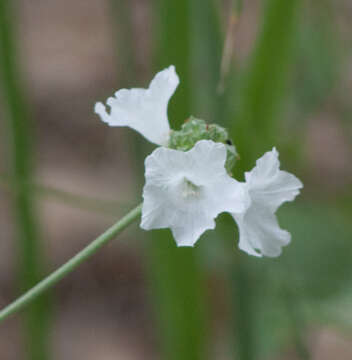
{"points": [[268, 187], [185, 191], [260, 233], [144, 110]]}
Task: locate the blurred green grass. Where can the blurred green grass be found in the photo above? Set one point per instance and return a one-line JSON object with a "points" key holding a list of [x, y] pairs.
{"points": [[255, 127], [291, 73], [177, 279], [30, 255]]}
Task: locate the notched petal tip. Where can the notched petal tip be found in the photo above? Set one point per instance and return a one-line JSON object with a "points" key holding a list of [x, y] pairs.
{"points": [[299, 183], [100, 109], [275, 152], [169, 74], [165, 83]]}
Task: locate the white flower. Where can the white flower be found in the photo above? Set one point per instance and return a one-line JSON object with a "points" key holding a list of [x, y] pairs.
{"points": [[185, 191], [268, 188], [144, 110]]}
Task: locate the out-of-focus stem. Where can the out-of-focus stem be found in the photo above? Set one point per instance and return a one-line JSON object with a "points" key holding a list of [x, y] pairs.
{"points": [[20, 140], [229, 44], [71, 265]]}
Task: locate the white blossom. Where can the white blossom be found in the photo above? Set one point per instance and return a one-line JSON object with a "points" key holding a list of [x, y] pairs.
{"points": [[185, 191], [268, 188], [144, 110]]}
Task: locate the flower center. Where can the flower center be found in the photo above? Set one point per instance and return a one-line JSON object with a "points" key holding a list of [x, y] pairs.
{"points": [[188, 189]]}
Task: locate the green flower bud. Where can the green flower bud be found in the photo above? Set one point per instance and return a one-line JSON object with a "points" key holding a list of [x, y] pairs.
{"points": [[194, 130]]}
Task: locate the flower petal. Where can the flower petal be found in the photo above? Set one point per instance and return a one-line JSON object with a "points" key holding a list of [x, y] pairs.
{"points": [[186, 191], [144, 110], [208, 160], [269, 185], [192, 228], [260, 233]]}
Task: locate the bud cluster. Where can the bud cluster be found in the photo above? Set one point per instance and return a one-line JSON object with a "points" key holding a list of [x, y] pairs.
{"points": [[194, 130]]}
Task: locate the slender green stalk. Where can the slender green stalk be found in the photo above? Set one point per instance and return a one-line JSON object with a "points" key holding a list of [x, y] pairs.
{"points": [[20, 137], [71, 265]]}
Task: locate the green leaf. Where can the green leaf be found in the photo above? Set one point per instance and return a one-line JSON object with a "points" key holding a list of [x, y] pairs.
{"points": [[256, 126]]}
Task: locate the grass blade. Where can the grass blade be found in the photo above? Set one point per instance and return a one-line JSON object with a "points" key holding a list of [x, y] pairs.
{"points": [[30, 256], [255, 130], [175, 273], [256, 125]]}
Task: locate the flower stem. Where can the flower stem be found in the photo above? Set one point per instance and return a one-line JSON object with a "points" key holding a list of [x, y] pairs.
{"points": [[70, 265]]}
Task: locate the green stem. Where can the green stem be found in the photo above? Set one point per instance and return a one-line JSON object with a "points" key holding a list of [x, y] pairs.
{"points": [[70, 265]]}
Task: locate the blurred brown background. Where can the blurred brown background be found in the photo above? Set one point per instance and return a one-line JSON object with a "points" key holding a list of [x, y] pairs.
{"points": [[70, 56]]}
